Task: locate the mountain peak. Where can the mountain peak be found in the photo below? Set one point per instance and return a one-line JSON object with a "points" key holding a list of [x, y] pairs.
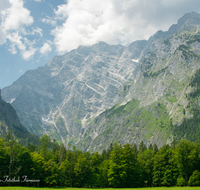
{"points": [[192, 18]]}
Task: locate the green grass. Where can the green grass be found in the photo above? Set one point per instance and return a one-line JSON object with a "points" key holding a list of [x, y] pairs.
{"points": [[171, 99], [77, 121], [73, 140], [60, 121], [68, 188]]}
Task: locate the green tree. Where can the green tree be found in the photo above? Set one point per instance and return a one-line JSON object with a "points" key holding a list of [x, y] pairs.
{"points": [[4, 160], [180, 181], [96, 161], [165, 169], [45, 144], [32, 148], [51, 173], [135, 149], [103, 174], [187, 158], [62, 153], [142, 147], [155, 148], [55, 151], [104, 155], [146, 160], [109, 150], [124, 169], [83, 171], [12, 151], [24, 163], [37, 168], [150, 147], [64, 173], [194, 179], [72, 157]]}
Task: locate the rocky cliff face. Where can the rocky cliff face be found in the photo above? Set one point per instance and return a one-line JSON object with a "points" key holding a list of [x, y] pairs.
{"points": [[155, 101], [61, 97], [64, 98]]}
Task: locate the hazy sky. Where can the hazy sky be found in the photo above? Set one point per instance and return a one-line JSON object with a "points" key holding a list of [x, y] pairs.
{"points": [[33, 31]]}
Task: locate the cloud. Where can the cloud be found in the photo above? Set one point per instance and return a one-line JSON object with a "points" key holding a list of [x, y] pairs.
{"points": [[49, 20], [30, 49], [2, 37], [46, 48], [4, 4], [16, 16], [34, 31], [15, 21], [16, 40], [85, 22], [27, 54], [37, 0], [23, 44]]}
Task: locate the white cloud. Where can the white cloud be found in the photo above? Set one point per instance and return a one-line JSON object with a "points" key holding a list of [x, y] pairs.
{"points": [[86, 22], [4, 4], [23, 44], [33, 32], [37, 0], [15, 20], [46, 48], [16, 40], [16, 16], [2, 37], [39, 31], [49, 20], [30, 50], [27, 54]]}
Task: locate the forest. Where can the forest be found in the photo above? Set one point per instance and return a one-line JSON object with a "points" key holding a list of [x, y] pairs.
{"points": [[53, 165]]}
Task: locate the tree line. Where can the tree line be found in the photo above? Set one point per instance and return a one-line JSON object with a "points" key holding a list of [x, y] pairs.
{"points": [[118, 166]]}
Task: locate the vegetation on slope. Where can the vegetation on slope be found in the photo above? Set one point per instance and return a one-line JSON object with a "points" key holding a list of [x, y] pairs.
{"points": [[128, 121], [9, 122], [190, 128]]}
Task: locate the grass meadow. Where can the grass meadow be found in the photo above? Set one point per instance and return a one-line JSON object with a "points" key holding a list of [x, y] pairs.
{"points": [[67, 188]]}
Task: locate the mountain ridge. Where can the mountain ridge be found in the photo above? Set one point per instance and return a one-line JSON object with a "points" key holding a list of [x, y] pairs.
{"points": [[10, 123], [74, 90]]}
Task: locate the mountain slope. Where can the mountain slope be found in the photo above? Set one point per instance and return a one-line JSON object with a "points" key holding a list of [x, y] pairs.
{"points": [[158, 103], [146, 82], [9, 122], [59, 98]]}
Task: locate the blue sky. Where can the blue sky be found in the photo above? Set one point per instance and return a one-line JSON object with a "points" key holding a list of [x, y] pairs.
{"points": [[34, 31]]}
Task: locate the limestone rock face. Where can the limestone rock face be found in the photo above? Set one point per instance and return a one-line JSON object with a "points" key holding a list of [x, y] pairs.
{"points": [[155, 101], [59, 98], [67, 98]]}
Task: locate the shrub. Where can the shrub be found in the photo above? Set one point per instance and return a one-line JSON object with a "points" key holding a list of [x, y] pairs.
{"points": [[194, 179], [180, 181]]}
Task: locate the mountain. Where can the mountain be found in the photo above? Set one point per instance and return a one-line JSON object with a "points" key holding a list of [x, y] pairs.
{"points": [[9, 122], [161, 103], [61, 97], [96, 95]]}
